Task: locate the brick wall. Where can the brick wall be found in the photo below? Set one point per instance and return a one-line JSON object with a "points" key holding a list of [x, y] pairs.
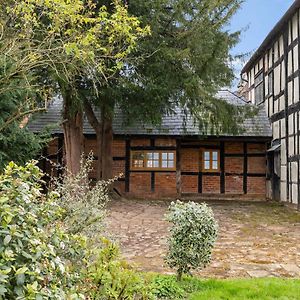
{"points": [[234, 165], [189, 184], [256, 185], [257, 165], [190, 160], [165, 184], [210, 184], [151, 184], [234, 185]]}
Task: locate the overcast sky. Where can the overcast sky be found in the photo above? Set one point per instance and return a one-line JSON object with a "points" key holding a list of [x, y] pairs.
{"points": [[257, 17]]}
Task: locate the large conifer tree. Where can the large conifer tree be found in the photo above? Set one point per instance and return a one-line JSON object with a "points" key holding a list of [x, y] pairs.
{"points": [[183, 63]]}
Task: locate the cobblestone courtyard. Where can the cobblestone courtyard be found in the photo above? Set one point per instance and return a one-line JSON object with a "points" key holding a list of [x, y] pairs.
{"points": [[255, 239]]}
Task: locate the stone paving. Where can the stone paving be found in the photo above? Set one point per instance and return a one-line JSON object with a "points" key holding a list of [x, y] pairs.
{"points": [[255, 239]]}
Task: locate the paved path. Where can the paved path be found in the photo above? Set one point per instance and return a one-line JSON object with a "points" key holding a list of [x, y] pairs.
{"points": [[255, 239]]}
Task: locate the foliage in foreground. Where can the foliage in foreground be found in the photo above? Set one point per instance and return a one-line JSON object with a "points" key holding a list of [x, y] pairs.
{"points": [[82, 200], [192, 236], [38, 260], [110, 277]]}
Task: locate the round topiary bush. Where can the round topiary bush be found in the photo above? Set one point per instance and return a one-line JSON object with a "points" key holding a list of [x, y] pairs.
{"points": [[192, 236]]}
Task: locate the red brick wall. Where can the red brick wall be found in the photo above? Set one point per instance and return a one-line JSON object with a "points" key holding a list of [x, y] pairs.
{"points": [[140, 184], [190, 160], [140, 142], [234, 185], [256, 148], [234, 164], [256, 185], [189, 184], [165, 184], [257, 165], [234, 147], [119, 148], [210, 184]]}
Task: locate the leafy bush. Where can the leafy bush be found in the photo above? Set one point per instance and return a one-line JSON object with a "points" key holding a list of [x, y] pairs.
{"points": [[82, 200], [110, 277], [192, 236], [167, 288], [38, 260]]}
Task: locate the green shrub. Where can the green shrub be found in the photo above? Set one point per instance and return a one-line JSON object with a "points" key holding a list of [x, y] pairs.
{"points": [[110, 277], [83, 202], [38, 260], [192, 236], [167, 288]]}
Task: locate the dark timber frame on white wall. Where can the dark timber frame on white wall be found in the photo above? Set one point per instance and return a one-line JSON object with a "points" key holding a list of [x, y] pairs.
{"points": [[278, 59]]}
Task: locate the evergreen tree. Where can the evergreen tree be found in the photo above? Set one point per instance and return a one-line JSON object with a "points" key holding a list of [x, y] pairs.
{"points": [[183, 63]]}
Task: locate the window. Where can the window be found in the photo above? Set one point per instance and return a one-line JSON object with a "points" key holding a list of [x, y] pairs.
{"points": [[270, 83], [167, 160], [259, 88], [137, 160], [153, 160], [211, 161]]}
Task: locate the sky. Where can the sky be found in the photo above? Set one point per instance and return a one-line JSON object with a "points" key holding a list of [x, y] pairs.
{"points": [[257, 18]]}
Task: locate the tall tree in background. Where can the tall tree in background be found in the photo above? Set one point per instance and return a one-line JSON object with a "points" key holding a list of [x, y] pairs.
{"points": [[20, 94], [85, 42], [183, 63]]}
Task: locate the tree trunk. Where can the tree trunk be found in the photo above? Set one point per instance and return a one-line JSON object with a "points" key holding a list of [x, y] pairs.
{"points": [[97, 126], [107, 140], [73, 135], [104, 136]]}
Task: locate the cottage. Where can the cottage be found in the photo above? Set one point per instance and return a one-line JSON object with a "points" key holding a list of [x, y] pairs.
{"points": [[271, 80], [175, 160]]}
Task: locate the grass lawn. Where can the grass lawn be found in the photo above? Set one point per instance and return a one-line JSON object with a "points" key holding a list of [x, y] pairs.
{"points": [[234, 289], [260, 289]]}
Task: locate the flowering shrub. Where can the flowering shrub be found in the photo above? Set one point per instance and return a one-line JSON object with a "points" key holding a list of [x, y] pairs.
{"points": [[38, 260], [192, 236]]}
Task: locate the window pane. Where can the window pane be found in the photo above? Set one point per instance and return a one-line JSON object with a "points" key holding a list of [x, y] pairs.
{"points": [[164, 164], [156, 155], [171, 156], [155, 164], [138, 160], [206, 155], [206, 165], [150, 155], [259, 78], [215, 155], [270, 83], [164, 156], [215, 165], [259, 94], [171, 164], [149, 164]]}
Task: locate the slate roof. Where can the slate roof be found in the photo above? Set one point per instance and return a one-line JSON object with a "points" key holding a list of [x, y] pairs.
{"points": [[258, 126]]}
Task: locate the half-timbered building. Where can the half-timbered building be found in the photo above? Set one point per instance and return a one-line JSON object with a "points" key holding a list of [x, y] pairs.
{"points": [[177, 159], [271, 79]]}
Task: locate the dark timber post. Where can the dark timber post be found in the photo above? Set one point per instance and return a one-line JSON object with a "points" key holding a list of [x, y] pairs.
{"points": [[178, 167], [285, 47], [245, 174], [222, 168], [127, 166]]}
